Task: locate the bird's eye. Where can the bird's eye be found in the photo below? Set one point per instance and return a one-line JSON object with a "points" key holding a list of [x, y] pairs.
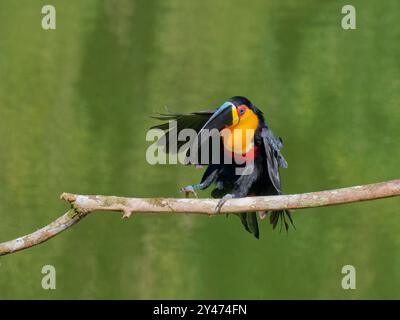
{"points": [[242, 110]]}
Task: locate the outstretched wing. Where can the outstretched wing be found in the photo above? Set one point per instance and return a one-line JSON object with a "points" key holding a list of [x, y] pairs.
{"points": [[177, 122], [272, 147]]}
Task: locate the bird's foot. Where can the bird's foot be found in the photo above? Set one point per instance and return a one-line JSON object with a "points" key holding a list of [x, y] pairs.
{"points": [[188, 190], [262, 214], [222, 201]]}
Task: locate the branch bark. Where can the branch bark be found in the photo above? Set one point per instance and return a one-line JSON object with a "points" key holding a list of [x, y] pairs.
{"points": [[82, 205]]}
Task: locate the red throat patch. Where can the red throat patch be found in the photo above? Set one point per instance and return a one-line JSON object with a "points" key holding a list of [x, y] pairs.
{"points": [[244, 157]]}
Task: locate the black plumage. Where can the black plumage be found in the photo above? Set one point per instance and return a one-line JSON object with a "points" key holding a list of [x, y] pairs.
{"points": [[264, 178]]}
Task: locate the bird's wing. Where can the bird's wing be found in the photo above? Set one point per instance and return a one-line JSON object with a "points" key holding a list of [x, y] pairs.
{"points": [[193, 120], [272, 146]]}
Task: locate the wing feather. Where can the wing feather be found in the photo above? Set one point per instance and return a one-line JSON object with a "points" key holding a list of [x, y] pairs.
{"points": [[193, 120], [272, 146]]}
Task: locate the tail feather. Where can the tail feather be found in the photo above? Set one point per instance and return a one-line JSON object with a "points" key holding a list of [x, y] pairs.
{"points": [[243, 219], [281, 216], [249, 221]]}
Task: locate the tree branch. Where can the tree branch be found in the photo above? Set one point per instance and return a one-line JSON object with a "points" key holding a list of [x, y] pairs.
{"points": [[83, 205]]}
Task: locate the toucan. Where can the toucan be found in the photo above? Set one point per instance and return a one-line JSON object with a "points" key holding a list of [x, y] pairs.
{"points": [[246, 142]]}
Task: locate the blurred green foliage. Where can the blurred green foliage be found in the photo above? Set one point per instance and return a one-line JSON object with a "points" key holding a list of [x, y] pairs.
{"points": [[74, 110]]}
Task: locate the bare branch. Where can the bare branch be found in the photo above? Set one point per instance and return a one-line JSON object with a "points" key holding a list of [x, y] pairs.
{"points": [[82, 205], [41, 235]]}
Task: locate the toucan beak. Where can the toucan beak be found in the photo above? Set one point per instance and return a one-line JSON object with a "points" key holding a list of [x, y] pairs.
{"points": [[225, 116]]}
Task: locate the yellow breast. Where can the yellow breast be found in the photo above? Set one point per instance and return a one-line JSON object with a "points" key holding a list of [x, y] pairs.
{"points": [[240, 138]]}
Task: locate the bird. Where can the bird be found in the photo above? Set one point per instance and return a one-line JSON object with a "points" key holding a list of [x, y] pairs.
{"points": [[246, 145]]}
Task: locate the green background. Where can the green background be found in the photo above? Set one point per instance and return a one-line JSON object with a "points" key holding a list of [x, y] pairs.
{"points": [[74, 111]]}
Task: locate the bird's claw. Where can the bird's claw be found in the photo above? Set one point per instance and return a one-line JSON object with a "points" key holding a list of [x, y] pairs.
{"points": [[222, 202], [262, 214], [188, 190]]}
